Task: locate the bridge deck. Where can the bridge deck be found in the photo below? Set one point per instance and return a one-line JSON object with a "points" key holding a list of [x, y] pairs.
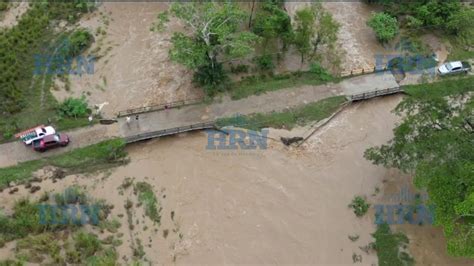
{"points": [[170, 131], [375, 93]]}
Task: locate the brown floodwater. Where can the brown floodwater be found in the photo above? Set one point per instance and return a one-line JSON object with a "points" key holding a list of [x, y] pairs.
{"points": [[277, 205]]}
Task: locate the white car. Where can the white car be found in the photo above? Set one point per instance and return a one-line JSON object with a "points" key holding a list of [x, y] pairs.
{"points": [[36, 133], [454, 67]]}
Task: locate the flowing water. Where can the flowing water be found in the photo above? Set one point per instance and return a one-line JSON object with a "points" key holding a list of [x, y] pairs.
{"points": [[277, 205]]}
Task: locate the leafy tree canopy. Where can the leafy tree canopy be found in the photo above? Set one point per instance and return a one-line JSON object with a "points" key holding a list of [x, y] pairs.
{"points": [[314, 28], [304, 31], [214, 31], [212, 35], [435, 141], [273, 22], [384, 25]]}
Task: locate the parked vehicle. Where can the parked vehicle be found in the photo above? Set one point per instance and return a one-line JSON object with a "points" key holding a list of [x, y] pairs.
{"points": [[36, 133], [50, 142], [454, 68]]}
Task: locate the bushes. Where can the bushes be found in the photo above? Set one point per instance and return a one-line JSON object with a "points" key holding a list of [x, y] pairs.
{"points": [[390, 247], [359, 205], [212, 78], [78, 41], [462, 25], [265, 62], [320, 72], [87, 244], [74, 107], [239, 69], [384, 25], [3, 6], [147, 197]]}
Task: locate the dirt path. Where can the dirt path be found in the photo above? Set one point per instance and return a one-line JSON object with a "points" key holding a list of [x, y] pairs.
{"points": [[15, 152]]}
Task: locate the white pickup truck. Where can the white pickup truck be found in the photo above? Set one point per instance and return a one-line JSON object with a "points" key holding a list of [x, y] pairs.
{"points": [[453, 68], [36, 133]]}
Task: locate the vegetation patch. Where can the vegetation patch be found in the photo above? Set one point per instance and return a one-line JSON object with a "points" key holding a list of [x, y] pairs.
{"points": [[48, 242], [147, 197], [24, 93], [255, 85], [443, 88], [260, 37], [288, 119], [434, 141], [359, 205], [104, 154], [458, 51], [390, 247]]}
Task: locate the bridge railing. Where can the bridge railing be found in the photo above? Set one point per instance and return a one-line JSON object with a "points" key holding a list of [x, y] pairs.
{"points": [[362, 70], [169, 131], [158, 107], [371, 94]]}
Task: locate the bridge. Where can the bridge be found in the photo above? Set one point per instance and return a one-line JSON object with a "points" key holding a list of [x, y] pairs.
{"points": [[190, 115], [170, 131], [375, 93], [166, 119]]}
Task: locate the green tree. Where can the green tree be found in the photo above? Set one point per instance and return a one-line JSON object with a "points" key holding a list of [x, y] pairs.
{"points": [[384, 26], [78, 41], [213, 35], [462, 25], [304, 31], [273, 22], [435, 142], [314, 28], [326, 28], [435, 12]]}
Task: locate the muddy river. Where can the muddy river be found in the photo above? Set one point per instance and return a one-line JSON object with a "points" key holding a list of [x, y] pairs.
{"points": [[277, 205]]}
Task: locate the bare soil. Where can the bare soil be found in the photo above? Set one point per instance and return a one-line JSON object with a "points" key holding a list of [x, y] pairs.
{"points": [[11, 17]]}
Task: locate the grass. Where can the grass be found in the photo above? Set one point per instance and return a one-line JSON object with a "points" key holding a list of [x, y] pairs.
{"points": [[258, 85], [450, 86], [458, 51], [288, 119], [389, 247], [147, 197], [103, 154]]}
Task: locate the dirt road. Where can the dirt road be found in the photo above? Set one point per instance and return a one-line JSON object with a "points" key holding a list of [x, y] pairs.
{"points": [[271, 101]]}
